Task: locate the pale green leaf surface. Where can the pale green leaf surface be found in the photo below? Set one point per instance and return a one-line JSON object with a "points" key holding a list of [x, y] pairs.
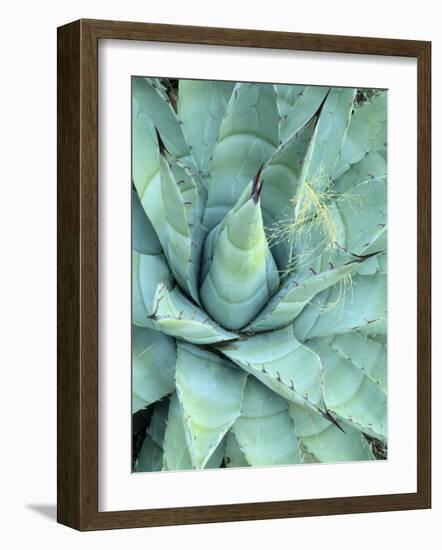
{"points": [[210, 390], [363, 211], [157, 426], [304, 108], [288, 303], [325, 441], [280, 362], [265, 432], [213, 236], [287, 94], [328, 136], [184, 202], [367, 132], [372, 166], [154, 105], [350, 393], [380, 339], [248, 135], [153, 366], [318, 243], [144, 238], [146, 169], [150, 458], [280, 176], [178, 243], [147, 273], [201, 107], [145, 157], [176, 454], [367, 355], [176, 315], [242, 274], [356, 306]]}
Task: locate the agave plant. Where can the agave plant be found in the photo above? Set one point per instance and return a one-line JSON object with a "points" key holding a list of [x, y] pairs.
{"points": [[259, 274]]}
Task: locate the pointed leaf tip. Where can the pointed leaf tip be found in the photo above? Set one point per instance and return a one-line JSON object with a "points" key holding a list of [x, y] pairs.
{"points": [[257, 188], [359, 258], [161, 146], [332, 419]]}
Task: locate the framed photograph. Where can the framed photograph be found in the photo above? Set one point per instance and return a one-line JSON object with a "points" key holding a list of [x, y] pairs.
{"points": [[243, 274]]}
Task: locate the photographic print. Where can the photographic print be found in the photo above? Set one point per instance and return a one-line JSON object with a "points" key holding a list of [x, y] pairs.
{"points": [[259, 274]]}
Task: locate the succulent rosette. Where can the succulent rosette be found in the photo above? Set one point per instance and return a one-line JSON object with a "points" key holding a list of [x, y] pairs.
{"points": [[259, 280]]}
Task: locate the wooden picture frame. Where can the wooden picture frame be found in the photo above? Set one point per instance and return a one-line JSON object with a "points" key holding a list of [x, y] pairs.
{"points": [[78, 274]]}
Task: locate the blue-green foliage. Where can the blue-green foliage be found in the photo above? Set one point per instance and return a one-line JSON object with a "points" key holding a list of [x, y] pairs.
{"points": [[259, 287]]}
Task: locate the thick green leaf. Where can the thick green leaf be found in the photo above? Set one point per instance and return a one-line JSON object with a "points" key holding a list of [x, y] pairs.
{"points": [[325, 441], [327, 139], [265, 432], [175, 314], [367, 132], [145, 156], [150, 458], [157, 426], [194, 194], [153, 105], [153, 366], [177, 242], [360, 305], [372, 166], [367, 355], [282, 363], [242, 274], [171, 198], [159, 86], [287, 94], [144, 238], [201, 107], [288, 303], [146, 174], [305, 106], [316, 344], [315, 242], [380, 339], [281, 176], [315, 227], [248, 135], [350, 393], [147, 273], [363, 211], [176, 455], [146, 168], [210, 390], [323, 151]]}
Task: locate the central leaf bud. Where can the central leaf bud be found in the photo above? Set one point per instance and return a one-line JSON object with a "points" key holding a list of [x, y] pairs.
{"points": [[239, 273]]}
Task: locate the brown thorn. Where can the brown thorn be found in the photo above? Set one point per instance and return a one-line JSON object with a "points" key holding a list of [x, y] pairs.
{"points": [[331, 419], [161, 146], [256, 187]]}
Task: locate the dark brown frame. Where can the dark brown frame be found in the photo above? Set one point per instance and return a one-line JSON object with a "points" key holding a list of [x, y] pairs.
{"points": [[78, 274]]}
